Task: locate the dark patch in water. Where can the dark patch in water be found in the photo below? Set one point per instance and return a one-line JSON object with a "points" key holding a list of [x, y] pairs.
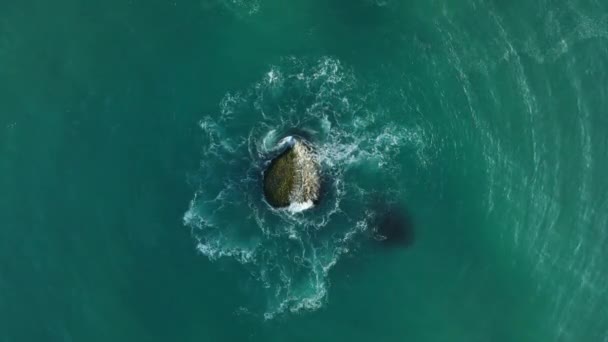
{"points": [[395, 228]]}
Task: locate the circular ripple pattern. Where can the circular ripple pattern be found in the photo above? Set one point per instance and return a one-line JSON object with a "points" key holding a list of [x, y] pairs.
{"points": [[291, 254], [506, 145]]}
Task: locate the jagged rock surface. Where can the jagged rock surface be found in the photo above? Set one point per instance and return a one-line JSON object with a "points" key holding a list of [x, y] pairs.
{"points": [[293, 178]]}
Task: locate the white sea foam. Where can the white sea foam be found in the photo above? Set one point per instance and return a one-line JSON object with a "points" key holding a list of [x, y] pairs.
{"points": [[291, 251], [242, 7], [299, 207]]}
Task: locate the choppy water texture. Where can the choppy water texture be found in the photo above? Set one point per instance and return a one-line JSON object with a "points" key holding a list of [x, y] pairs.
{"points": [[463, 151], [292, 253]]}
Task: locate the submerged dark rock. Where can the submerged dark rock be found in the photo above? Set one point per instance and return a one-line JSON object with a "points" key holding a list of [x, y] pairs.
{"points": [[393, 225], [395, 228], [292, 178]]}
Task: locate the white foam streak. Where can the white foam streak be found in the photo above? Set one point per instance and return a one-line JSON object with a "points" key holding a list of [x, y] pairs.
{"points": [[288, 250], [300, 207]]}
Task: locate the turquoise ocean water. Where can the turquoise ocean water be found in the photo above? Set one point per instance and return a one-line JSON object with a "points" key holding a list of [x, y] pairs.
{"points": [[133, 136]]}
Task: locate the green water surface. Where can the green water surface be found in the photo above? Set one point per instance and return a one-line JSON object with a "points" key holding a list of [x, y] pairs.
{"points": [[502, 163]]}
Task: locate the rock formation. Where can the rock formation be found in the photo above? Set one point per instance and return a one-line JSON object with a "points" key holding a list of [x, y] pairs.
{"points": [[292, 179]]}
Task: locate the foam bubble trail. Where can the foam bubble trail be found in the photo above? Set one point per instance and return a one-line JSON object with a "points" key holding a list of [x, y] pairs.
{"points": [[290, 252]]}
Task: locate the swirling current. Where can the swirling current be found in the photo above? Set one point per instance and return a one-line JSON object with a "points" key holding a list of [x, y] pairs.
{"points": [[462, 151], [291, 254], [500, 142]]}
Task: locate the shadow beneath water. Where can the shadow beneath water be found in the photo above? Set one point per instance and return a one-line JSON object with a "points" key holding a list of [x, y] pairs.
{"points": [[394, 226]]}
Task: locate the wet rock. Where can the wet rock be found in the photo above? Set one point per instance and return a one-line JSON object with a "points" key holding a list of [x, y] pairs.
{"points": [[292, 178]]}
